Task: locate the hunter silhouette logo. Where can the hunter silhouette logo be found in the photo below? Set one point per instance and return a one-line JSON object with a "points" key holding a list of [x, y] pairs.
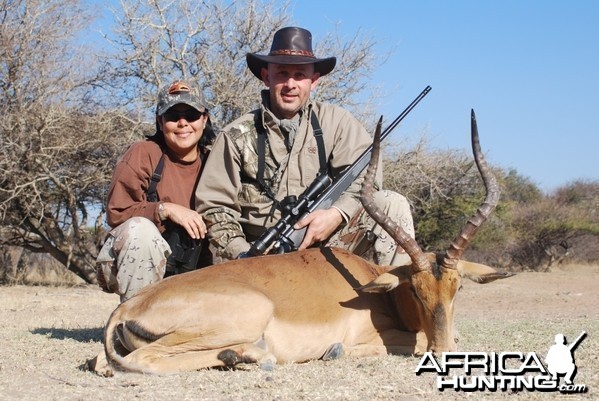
{"points": [[507, 371], [560, 358]]}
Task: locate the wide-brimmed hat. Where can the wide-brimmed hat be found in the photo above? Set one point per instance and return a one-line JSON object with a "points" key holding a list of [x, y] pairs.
{"points": [[290, 45], [180, 92]]}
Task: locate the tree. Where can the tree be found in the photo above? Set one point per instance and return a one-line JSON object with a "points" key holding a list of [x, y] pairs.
{"points": [[527, 229], [548, 230], [57, 152], [519, 189], [443, 187], [155, 42], [69, 110]]}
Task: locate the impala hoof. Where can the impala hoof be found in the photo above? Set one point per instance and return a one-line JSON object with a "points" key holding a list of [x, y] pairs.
{"points": [[267, 366], [99, 365], [229, 357], [335, 351]]}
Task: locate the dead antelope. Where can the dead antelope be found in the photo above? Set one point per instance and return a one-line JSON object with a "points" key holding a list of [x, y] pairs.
{"points": [[318, 303]]}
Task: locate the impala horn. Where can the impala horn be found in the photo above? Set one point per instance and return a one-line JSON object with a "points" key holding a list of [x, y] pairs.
{"points": [[419, 260], [460, 242]]}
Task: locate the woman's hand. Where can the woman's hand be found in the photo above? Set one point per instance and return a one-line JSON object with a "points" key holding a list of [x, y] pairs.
{"points": [[189, 219]]}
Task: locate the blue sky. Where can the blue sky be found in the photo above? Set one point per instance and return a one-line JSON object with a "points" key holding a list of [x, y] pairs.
{"points": [[529, 69]]}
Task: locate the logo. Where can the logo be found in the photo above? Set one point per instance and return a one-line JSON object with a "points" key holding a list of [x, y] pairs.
{"points": [[507, 371]]}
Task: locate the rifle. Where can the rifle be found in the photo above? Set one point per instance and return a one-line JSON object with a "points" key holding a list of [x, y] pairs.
{"points": [[320, 194], [576, 342]]}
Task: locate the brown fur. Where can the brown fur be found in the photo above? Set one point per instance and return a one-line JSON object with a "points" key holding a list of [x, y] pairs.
{"points": [[279, 309]]}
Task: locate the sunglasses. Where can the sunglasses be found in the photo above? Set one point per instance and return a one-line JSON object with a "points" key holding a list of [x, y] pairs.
{"points": [[190, 115]]}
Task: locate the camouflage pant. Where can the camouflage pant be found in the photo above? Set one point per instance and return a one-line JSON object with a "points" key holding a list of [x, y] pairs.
{"points": [[362, 234], [133, 256]]}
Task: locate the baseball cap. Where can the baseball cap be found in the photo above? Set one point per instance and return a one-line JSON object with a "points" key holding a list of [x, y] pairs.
{"points": [[179, 92]]}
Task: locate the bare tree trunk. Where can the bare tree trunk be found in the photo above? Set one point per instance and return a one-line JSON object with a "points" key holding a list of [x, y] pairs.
{"points": [[9, 261]]}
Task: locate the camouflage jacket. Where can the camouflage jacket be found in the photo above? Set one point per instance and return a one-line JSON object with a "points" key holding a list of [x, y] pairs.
{"points": [[235, 206]]}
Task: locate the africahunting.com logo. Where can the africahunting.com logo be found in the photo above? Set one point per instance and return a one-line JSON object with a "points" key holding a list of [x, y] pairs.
{"points": [[507, 371]]}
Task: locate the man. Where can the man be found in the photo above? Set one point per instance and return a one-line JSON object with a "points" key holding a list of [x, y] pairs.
{"points": [[560, 360], [271, 153]]}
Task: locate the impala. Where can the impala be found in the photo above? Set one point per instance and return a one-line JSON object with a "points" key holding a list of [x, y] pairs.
{"points": [[320, 303]]}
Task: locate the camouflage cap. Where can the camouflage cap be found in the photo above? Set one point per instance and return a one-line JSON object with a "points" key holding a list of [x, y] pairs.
{"points": [[179, 92]]}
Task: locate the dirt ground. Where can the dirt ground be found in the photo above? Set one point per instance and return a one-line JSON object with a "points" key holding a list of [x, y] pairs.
{"points": [[47, 333]]}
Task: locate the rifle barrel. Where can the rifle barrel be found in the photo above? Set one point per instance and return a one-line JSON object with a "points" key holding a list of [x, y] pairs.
{"points": [[404, 113], [578, 340], [314, 197]]}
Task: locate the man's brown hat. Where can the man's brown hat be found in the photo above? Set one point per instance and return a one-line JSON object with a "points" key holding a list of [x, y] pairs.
{"points": [[290, 45]]}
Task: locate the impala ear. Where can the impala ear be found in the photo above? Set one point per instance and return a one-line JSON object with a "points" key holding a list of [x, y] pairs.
{"points": [[479, 273], [383, 283], [389, 280]]}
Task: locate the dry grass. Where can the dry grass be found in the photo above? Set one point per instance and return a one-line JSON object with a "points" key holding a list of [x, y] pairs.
{"points": [[47, 333]]}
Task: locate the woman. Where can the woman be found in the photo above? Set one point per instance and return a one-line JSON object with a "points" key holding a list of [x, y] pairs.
{"points": [[151, 202]]}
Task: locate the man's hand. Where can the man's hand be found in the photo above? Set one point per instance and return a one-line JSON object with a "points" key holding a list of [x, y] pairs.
{"points": [[321, 224], [189, 219]]}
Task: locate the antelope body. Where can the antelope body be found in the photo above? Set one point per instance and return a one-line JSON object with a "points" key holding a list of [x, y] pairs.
{"points": [[312, 304]]}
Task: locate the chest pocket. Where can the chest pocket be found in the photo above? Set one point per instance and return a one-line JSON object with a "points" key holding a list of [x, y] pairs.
{"points": [[262, 165]]}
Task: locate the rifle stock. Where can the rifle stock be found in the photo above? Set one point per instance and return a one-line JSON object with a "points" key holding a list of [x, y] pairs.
{"points": [[321, 194]]}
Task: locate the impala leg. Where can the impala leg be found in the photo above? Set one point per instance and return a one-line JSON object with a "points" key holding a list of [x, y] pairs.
{"points": [[248, 353], [400, 342], [100, 365], [362, 350], [395, 342], [160, 358]]}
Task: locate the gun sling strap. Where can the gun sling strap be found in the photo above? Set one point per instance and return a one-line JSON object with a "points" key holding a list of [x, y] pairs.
{"points": [[151, 192], [322, 157]]}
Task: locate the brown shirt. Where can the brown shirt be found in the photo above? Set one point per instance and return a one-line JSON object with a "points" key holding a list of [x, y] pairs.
{"points": [[131, 178]]}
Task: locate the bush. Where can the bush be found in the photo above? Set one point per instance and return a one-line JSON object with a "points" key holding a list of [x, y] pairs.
{"points": [[527, 230], [19, 266], [546, 230]]}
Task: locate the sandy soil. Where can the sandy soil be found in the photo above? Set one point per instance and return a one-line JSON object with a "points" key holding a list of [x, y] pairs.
{"points": [[47, 333]]}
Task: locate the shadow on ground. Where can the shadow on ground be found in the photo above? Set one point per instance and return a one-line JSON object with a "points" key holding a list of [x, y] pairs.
{"points": [[81, 335]]}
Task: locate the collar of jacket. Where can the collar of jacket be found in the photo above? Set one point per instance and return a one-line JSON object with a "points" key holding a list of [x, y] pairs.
{"points": [[267, 116]]}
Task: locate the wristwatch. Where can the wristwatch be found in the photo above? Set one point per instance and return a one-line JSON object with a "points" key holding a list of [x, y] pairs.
{"points": [[161, 211]]}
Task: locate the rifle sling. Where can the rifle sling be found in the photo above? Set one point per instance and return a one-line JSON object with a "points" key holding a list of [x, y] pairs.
{"points": [[261, 145], [151, 192]]}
